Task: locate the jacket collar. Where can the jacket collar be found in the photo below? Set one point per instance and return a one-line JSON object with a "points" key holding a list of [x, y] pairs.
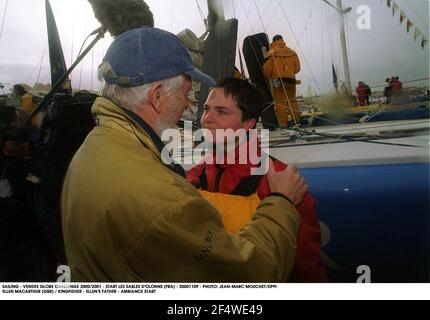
{"points": [[147, 128], [137, 126], [243, 156], [278, 44]]}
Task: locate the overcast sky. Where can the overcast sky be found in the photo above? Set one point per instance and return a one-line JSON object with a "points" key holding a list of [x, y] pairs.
{"points": [[309, 26]]}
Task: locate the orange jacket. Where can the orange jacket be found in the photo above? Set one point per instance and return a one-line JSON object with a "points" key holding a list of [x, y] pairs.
{"points": [[28, 106], [282, 61]]}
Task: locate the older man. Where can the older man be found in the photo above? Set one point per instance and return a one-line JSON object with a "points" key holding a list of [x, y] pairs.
{"points": [[128, 216]]}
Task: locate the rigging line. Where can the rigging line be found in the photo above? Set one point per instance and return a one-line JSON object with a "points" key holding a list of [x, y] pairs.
{"points": [[311, 10], [347, 138], [259, 15], [247, 16], [298, 44], [4, 18], [348, 44], [249, 10], [419, 17], [34, 69], [316, 143], [70, 36], [266, 9], [41, 61], [271, 20], [359, 139], [322, 43], [200, 11], [387, 52], [238, 12]]}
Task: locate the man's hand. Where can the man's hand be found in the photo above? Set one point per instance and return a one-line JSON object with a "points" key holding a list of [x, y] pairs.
{"points": [[288, 182]]}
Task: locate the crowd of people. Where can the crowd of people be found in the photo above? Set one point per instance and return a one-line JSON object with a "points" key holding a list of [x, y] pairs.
{"points": [[392, 90]]}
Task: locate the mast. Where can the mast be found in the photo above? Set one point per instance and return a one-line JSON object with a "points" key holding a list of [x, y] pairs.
{"points": [[56, 56], [341, 12]]}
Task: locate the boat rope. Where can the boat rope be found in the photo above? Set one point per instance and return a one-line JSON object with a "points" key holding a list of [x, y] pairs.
{"points": [[322, 43], [37, 65], [202, 15], [342, 140], [4, 18], [367, 34], [41, 62], [307, 21]]}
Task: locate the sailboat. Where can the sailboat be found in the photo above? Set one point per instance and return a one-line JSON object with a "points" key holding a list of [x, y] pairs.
{"points": [[370, 180]]}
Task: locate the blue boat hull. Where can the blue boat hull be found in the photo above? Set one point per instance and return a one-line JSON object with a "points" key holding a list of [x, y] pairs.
{"points": [[378, 216]]}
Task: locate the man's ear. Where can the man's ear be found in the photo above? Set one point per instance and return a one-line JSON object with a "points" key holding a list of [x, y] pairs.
{"points": [[154, 97], [249, 124]]}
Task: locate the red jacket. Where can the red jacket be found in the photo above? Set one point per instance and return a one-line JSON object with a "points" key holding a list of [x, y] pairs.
{"points": [[236, 179], [396, 86]]}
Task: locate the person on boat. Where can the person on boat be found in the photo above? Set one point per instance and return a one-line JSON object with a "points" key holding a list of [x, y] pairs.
{"points": [[129, 214], [397, 87], [387, 91], [235, 104], [24, 253], [281, 66], [361, 93], [27, 104], [368, 93]]}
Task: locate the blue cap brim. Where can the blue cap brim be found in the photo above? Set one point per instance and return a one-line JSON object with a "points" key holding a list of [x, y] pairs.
{"points": [[201, 77]]}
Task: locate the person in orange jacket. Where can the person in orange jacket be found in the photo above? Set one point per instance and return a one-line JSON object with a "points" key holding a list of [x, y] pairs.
{"points": [[281, 67], [230, 186], [27, 104]]}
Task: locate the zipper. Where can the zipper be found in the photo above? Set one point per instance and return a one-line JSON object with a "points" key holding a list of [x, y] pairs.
{"points": [[218, 178]]}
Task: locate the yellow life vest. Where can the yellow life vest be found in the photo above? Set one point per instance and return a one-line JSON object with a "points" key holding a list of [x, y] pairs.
{"points": [[236, 211], [28, 105]]}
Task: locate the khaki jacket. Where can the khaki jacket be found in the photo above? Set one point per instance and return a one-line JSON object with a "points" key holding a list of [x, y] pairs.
{"points": [[282, 62], [129, 217]]}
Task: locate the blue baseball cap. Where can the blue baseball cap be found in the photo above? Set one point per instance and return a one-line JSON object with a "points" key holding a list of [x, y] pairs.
{"points": [[145, 55]]}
